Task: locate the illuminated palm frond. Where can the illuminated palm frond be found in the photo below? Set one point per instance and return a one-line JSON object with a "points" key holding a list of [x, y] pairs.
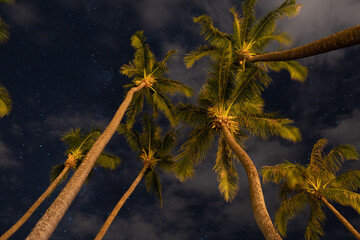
{"points": [[5, 102]]}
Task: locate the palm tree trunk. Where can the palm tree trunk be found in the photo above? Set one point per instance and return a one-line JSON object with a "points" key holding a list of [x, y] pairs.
{"points": [[118, 206], [346, 38], [341, 219], [32, 209], [261, 214], [47, 224]]}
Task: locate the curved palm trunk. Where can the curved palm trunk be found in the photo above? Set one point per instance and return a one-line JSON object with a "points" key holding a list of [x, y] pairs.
{"points": [[346, 38], [341, 219], [32, 209], [261, 214], [47, 224], [118, 206]]}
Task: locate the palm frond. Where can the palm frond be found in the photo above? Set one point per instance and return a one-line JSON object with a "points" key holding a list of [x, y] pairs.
{"points": [[237, 22], [55, 172], [5, 100], [289, 209], [267, 24], [4, 32], [315, 227], [283, 38], [132, 137], [108, 161], [166, 163], [226, 172], [343, 197], [248, 13], [162, 103], [202, 51], [168, 141], [296, 70], [193, 151], [134, 108], [191, 114], [143, 57], [348, 181], [170, 86], [211, 34], [153, 184], [317, 154], [266, 125], [333, 160]]}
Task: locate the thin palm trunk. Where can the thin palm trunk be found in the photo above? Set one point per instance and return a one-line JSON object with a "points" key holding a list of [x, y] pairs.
{"points": [[47, 224], [341, 219], [346, 38], [260, 212], [32, 209], [118, 206]]}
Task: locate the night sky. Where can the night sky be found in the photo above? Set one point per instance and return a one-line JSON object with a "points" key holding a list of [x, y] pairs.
{"points": [[61, 68]]}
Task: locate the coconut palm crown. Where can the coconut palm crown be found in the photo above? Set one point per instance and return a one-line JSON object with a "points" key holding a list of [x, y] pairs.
{"points": [[233, 100], [145, 68], [153, 149], [315, 184], [250, 37], [78, 144]]}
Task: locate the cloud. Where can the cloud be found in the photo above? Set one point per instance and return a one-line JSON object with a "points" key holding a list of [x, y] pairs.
{"points": [[6, 160], [22, 14]]}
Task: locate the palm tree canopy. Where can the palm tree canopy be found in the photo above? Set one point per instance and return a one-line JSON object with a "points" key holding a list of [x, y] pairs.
{"points": [[78, 144], [306, 184], [145, 68], [232, 98], [5, 102], [4, 28], [250, 37], [153, 149]]}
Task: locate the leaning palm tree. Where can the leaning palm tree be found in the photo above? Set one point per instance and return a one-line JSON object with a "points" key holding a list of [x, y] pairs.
{"points": [[346, 38], [146, 73], [250, 37], [230, 107], [316, 184], [78, 144], [5, 101], [154, 151]]}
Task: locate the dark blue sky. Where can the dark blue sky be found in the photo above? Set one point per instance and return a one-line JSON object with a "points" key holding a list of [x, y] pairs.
{"points": [[61, 69]]}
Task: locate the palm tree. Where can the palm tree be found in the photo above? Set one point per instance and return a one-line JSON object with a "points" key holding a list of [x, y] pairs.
{"points": [[316, 184], [146, 73], [78, 145], [230, 105], [154, 151], [346, 38], [5, 102], [250, 37]]}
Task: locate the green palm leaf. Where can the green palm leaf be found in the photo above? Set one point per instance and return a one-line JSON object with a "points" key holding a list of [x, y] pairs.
{"points": [[5, 102], [152, 183], [132, 137], [210, 33], [343, 197], [107, 161], [296, 70], [4, 32], [226, 172], [267, 24], [349, 181], [288, 210], [315, 227]]}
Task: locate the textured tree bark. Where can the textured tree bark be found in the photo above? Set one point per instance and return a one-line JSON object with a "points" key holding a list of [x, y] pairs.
{"points": [[341, 219], [118, 206], [32, 209], [346, 38], [47, 224], [261, 214]]}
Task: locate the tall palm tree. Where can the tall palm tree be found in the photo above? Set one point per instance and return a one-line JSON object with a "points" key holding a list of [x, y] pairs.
{"points": [[316, 184], [154, 151], [146, 73], [250, 37], [346, 38], [78, 144], [5, 102], [230, 106]]}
